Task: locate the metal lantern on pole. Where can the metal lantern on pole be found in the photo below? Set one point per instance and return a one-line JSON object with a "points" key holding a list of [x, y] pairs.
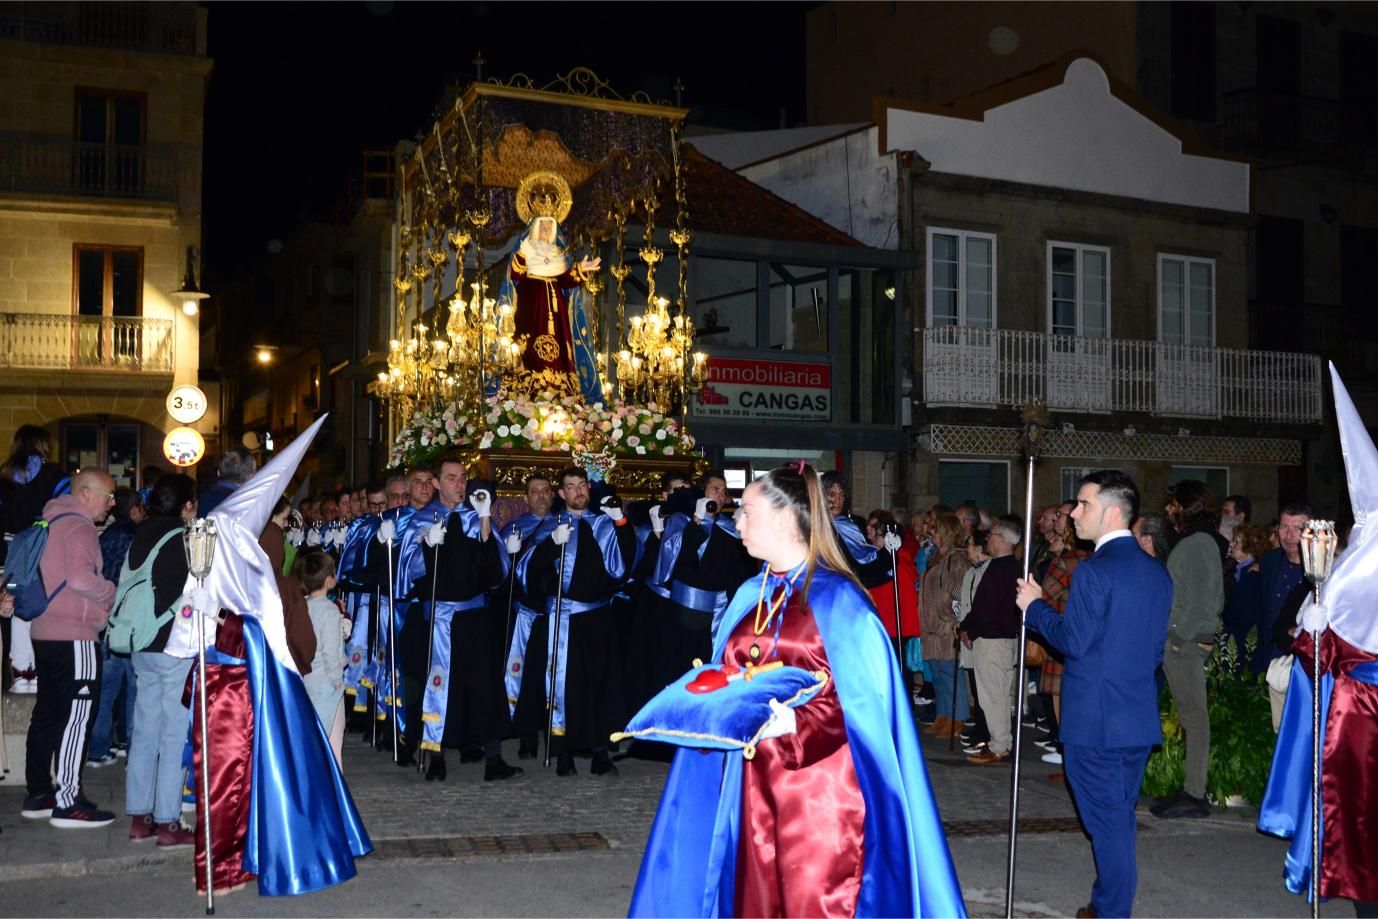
{"points": [[199, 542], [1318, 543]]}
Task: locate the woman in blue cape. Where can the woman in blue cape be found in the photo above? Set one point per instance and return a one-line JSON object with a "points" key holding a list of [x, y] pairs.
{"points": [[833, 816]]}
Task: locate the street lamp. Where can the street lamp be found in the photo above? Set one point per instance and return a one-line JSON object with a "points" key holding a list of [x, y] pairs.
{"points": [[264, 353], [189, 294]]}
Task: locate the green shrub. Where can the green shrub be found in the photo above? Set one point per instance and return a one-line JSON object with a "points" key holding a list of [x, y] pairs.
{"points": [[1242, 737]]}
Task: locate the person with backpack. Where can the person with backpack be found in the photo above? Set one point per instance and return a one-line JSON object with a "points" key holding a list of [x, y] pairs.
{"points": [[27, 482], [110, 735], [66, 639], [151, 585]]}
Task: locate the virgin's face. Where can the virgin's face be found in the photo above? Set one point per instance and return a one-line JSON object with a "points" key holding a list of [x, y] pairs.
{"points": [[545, 230], [763, 528]]}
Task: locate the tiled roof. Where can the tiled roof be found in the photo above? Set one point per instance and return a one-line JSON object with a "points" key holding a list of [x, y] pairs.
{"points": [[723, 202]]}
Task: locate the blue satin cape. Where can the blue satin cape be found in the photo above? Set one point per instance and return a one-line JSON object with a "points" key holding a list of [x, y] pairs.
{"points": [[1286, 807], [304, 831], [690, 860]]}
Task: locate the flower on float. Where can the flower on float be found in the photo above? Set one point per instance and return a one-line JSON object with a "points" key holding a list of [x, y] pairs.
{"points": [[605, 425], [641, 450], [503, 430], [669, 451], [486, 440], [644, 428], [633, 440]]}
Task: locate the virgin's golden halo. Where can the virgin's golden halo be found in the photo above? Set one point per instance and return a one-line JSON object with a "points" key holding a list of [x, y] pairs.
{"points": [[544, 194]]}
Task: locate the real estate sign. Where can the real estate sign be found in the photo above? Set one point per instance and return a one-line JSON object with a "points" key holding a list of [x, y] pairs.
{"points": [[758, 389]]}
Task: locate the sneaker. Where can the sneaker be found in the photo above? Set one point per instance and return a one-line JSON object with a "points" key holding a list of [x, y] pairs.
{"points": [[174, 835], [96, 762], [38, 808], [1053, 757], [120, 749], [1046, 744], [81, 815], [141, 827], [971, 749], [24, 686]]}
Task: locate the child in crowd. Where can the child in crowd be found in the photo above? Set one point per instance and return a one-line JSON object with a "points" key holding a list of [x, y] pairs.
{"points": [[314, 569]]}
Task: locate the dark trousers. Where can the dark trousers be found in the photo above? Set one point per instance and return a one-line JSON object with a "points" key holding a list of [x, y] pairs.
{"points": [[1105, 786], [69, 677]]}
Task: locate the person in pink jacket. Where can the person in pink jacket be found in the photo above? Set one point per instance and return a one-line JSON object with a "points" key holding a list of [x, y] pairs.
{"points": [[67, 654]]}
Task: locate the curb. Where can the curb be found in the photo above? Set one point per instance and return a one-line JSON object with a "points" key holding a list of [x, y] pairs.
{"points": [[147, 861]]}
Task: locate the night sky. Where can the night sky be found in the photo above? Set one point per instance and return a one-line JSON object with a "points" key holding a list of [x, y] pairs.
{"points": [[299, 91]]}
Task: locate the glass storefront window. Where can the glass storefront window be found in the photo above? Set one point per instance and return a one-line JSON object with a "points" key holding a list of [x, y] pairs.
{"points": [[724, 302], [798, 308]]}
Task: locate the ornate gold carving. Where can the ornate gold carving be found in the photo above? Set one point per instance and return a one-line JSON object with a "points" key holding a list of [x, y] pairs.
{"points": [[544, 194], [581, 81]]}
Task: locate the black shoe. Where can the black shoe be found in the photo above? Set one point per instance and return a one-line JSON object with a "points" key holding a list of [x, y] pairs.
{"points": [[525, 752], [471, 755], [1163, 803], [406, 758], [1187, 807], [564, 765], [435, 769], [602, 765], [497, 770]]}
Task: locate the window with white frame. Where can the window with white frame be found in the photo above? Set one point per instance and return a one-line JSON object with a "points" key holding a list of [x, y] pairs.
{"points": [[961, 278], [1071, 480], [1078, 290], [1186, 301]]}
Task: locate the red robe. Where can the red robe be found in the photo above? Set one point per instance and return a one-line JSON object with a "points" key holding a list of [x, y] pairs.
{"points": [[542, 321], [800, 849], [1349, 794]]}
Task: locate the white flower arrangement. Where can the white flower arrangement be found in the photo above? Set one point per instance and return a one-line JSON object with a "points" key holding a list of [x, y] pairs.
{"points": [[544, 424]]}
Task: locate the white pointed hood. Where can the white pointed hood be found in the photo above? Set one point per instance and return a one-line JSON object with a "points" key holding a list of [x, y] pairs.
{"points": [[241, 578], [1347, 598]]}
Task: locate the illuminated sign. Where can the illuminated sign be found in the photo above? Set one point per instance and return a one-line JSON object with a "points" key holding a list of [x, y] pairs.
{"points": [[186, 404], [756, 389], [184, 446]]}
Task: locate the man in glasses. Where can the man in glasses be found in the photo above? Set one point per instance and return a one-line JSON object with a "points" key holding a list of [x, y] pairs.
{"points": [[66, 639]]}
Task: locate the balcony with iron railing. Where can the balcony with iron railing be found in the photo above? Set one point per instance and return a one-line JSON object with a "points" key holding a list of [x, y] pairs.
{"points": [[993, 368], [45, 341], [33, 164], [163, 28], [1265, 119]]}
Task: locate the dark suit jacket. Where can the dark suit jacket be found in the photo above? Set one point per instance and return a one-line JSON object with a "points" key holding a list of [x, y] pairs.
{"points": [[1112, 633]]}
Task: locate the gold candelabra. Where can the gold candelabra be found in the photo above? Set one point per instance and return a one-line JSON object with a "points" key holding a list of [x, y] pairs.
{"points": [[656, 363]]}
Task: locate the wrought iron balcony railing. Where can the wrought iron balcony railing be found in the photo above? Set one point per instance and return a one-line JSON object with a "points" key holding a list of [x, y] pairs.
{"points": [[965, 366], [62, 166], [45, 341], [165, 28], [1261, 118]]}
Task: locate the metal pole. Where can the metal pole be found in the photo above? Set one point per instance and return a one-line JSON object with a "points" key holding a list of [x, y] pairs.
{"points": [[554, 655], [430, 650], [1316, 765], [1019, 708], [204, 799], [507, 630], [392, 652], [372, 653]]}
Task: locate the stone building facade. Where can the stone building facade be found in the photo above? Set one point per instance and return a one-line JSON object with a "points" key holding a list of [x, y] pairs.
{"points": [[101, 124]]}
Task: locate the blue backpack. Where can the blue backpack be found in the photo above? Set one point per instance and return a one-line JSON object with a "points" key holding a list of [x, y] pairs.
{"points": [[23, 579]]}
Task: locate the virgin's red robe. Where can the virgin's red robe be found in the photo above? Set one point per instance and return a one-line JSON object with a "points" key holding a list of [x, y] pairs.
{"points": [[800, 852], [542, 321]]}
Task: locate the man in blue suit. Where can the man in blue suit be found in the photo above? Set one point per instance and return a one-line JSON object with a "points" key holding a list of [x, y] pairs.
{"points": [[1112, 633]]}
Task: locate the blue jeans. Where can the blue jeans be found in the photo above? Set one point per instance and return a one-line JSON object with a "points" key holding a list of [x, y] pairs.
{"points": [[153, 776], [117, 673], [942, 690]]}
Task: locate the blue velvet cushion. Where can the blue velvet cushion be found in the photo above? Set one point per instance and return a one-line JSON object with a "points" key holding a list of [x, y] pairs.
{"points": [[729, 718]]}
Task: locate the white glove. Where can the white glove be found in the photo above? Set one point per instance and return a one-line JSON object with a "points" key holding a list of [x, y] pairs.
{"points": [[387, 532], [204, 603], [514, 542], [340, 535], [346, 627], [295, 536], [782, 721], [435, 534], [892, 542], [561, 534], [482, 503], [701, 509], [313, 537], [657, 525], [614, 514]]}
